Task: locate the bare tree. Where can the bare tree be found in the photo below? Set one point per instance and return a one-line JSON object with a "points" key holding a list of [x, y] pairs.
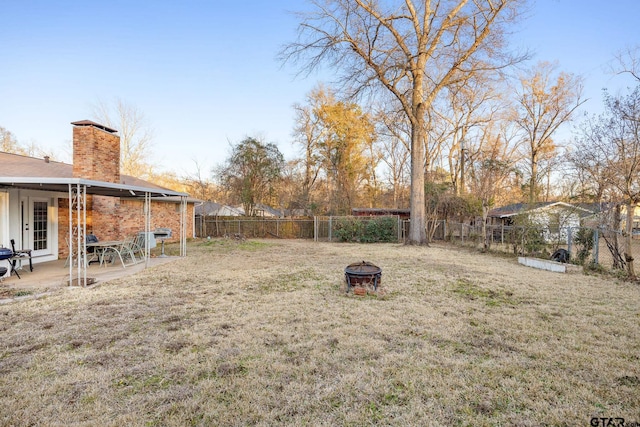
{"points": [[307, 133], [614, 140], [412, 49], [588, 168], [545, 100], [492, 167], [394, 137], [468, 106], [136, 136], [201, 187], [628, 62], [9, 143]]}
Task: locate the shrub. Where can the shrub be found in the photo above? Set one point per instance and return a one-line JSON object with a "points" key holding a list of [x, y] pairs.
{"points": [[347, 229], [367, 230]]}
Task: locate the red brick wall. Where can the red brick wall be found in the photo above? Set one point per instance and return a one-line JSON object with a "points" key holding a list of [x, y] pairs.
{"points": [[63, 227], [103, 217], [96, 154], [167, 215]]}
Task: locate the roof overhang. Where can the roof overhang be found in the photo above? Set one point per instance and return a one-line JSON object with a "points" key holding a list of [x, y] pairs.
{"points": [[524, 210], [100, 188]]}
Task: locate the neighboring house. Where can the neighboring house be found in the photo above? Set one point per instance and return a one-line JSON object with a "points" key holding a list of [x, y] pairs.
{"points": [[554, 217], [35, 196], [402, 213], [267, 211], [217, 209]]}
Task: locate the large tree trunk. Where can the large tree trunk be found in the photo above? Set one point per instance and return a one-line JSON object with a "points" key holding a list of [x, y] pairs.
{"points": [[532, 182], [628, 253], [417, 230], [485, 214]]}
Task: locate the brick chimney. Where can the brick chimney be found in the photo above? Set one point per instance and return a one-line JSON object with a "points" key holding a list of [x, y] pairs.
{"points": [[96, 152]]}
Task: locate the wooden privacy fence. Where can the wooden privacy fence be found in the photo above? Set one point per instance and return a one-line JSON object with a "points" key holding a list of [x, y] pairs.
{"points": [[354, 229], [248, 227]]}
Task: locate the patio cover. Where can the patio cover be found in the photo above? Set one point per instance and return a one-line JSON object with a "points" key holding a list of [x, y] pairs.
{"points": [[78, 189]]}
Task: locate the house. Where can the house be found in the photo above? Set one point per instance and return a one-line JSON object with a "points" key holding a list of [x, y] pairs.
{"points": [[554, 217], [46, 206], [267, 211], [402, 213], [217, 209]]}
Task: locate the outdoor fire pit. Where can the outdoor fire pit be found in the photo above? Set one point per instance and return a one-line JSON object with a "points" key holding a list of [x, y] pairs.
{"points": [[362, 274]]}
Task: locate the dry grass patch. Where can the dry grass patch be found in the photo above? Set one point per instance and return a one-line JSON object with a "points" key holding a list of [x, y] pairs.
{"points": [[262, 333]]}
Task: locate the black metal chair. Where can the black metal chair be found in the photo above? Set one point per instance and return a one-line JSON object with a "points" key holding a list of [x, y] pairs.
{"points": [[19, 255], [92, 254]]}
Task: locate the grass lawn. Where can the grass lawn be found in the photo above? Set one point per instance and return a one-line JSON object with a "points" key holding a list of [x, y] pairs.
{"points": [[262, 333]]}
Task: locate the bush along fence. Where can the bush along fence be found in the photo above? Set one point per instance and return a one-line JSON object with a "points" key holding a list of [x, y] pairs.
{"points": [[362, 229], [586, 246], [330, 228]]}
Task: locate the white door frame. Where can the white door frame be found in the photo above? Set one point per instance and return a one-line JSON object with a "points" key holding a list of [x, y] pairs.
{"points": [[25, 219]]}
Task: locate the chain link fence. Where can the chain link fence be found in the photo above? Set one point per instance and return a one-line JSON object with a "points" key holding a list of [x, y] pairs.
{"points": [[606, 248]]}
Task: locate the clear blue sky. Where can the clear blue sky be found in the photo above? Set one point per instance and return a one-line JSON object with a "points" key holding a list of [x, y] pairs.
{"points": [[205, 72]]}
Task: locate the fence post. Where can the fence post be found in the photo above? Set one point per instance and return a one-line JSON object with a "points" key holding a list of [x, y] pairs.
{"points": [[330, 226], [596, 246]]}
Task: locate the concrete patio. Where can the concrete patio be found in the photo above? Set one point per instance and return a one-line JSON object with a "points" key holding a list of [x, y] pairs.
{"points": [[53, 276]]}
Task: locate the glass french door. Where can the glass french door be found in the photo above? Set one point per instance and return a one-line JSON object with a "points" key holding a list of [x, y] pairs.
{"points": [[36, 233]]}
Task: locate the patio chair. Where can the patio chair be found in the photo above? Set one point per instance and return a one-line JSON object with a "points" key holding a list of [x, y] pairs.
{"points": [[18, 256], [131, 250], [138, 247]]}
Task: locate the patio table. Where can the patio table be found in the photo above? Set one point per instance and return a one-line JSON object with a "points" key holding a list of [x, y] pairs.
{"points": [[102, 247]]}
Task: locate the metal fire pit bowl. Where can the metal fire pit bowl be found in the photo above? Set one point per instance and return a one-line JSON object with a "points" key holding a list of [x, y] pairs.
{"points": [[362, 273]]}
